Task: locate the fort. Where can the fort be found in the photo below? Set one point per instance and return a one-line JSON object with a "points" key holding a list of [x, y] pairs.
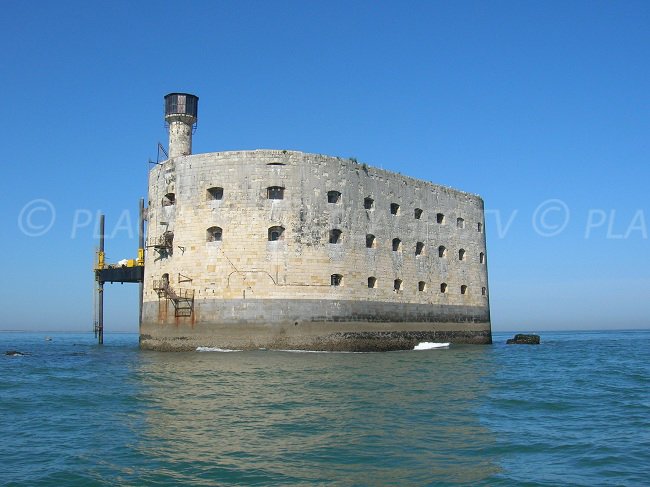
{"points": [[282, 249]]}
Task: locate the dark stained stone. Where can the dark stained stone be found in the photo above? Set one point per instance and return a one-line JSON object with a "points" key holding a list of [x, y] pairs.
{"points": [[521, 339]]}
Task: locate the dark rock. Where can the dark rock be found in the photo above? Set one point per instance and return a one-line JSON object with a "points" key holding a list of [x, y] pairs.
{"points": [[14, 353], [521, 339]]}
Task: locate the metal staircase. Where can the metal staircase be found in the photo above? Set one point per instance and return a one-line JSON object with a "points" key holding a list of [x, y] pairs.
{"points": [[183, 299]]}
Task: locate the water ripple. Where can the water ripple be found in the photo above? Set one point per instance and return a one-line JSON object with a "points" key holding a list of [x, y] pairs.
{"points": [[572, 411]]}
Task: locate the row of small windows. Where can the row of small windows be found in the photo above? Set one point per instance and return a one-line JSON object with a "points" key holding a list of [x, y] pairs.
{"points": [[398, 285], [368, 204], [214, 234], [277, 193], [212, 194]]}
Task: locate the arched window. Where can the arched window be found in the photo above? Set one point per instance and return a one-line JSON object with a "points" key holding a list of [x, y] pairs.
{"points": [[276, 233], [397, 285], [333, 197], [481, 258], [372, 282], [166, 240], [394, 209], [371, 241], [461, 254], [422, 286], [169, 199], [480, 227], [397, 245], [336, 280], [443, 287], [215, 193], [440, 218], [460, 223], [483, 291], [463, 289], [419, 248], [336, 236], [418, 213], [161, 285], [214, 234], [275, 192], [442, 251], [368, 203]]}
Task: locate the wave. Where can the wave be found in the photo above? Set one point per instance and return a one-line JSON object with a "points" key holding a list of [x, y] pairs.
{"points": [[214, 349], [430, 345]]}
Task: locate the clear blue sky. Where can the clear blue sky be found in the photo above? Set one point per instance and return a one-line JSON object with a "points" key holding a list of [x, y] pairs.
{"points": [[542, 108]]}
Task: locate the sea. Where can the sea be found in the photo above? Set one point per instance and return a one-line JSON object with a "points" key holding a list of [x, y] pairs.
{"points": [[574, 410]]}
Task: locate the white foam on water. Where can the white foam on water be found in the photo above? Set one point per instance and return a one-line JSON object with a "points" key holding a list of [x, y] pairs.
{"points": [[213, 349], [430, 345]]}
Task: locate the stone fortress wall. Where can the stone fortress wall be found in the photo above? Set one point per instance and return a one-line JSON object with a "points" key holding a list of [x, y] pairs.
{"points": [[285, 249]]}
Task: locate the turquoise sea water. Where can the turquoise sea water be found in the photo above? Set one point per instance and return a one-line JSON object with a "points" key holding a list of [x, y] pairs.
{"points": [[572, 411]]}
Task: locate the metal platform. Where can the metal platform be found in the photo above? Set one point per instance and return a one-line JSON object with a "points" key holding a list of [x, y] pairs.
{"points": [[120, 274]]}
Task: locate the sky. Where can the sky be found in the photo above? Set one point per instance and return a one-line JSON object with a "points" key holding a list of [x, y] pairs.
{"points": [[542, 108]]}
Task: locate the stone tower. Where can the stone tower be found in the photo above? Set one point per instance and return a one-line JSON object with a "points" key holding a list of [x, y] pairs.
{"points": [[181, 110]]}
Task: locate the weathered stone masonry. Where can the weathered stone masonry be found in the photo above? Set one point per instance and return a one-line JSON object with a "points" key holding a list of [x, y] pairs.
{"points": [[283, 249]]}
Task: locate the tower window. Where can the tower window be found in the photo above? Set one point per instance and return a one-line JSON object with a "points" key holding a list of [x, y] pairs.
{"points": [[483, 291], [481, 258], [460, 223], [442, 251], [463, 289], [169, 199], [480, 227], [397, 285], [418, 213], [371, 241], [440, 218], [215, 193], [397, 245], [333, 197], [275, 193], [372, 282], [394, 209], [419, 248], [276, 233], [443, 287], [214, 234], [422, 286], [336, 236], [461, 254], [368, 203], [336, 280]]}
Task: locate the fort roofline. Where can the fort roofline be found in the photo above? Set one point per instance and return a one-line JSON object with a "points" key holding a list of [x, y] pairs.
{"points": [[344, 162]]}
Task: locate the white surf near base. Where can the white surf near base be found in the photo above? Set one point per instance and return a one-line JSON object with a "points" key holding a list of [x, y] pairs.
{"points": [[430, 345], [213, 349]]}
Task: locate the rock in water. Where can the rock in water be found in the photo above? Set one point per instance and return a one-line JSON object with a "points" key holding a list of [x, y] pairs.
{"points": [[521, 339], [14, 353]]}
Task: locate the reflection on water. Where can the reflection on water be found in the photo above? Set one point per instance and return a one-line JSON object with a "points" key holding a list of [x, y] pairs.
{"points": [[280, 417], [572, 411]]}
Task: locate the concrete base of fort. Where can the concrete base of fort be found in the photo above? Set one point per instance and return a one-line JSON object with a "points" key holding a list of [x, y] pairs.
{"points": [[331, 325]]}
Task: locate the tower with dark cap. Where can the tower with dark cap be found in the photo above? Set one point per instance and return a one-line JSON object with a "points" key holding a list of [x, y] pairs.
{"points": [[181, 115]]}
